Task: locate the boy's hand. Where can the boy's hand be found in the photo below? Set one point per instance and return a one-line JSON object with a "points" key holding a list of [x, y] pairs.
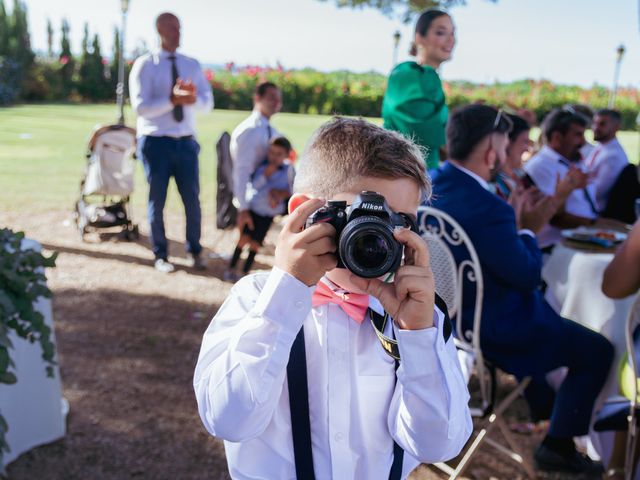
{"points": [[307, 254], [410, 298]]}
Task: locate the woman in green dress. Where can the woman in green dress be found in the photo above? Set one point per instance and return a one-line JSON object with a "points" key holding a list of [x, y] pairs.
{"points": [[414, 103]]}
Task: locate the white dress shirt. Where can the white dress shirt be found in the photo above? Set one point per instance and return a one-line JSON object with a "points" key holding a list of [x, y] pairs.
{"points": [[606, 163], [249, 147], [150, 87], [544, 168], [356, 407]]}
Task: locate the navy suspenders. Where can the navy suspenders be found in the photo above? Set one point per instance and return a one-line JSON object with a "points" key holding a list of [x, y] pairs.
{"points": [[300, 423], [299, 406], [299, 396]]}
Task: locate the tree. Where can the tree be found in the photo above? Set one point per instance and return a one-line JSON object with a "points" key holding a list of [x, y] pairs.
{"points": [[409, 8], [113, 68], [4, 30], [66, 60], [84, 84], [93, 83], [49, 38], [19, 39], [98, 77]]}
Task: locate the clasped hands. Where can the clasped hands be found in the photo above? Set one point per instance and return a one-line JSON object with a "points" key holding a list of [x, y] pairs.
{"points": [[184, 92]]}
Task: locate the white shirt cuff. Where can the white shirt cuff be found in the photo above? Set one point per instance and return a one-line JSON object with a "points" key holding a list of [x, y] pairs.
{"points": [[420, 349], [526, 231], [285, 301]]}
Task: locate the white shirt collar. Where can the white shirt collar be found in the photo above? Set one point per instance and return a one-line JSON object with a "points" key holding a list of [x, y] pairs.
{"points": [[473, 175], [164, 54], [260, 118]]}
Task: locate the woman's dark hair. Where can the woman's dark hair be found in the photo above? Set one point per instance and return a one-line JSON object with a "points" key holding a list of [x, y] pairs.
{"points": [[519, 125], [422, 25]]}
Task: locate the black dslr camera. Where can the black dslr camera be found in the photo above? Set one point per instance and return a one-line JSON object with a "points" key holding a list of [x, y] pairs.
{"points": [[366, 245]]}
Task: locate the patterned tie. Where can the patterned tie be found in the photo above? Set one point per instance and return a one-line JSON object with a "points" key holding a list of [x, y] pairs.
{"points": [[178, 114], [353, 304]]}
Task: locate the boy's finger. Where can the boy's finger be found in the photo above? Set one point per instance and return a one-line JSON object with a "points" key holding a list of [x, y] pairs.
{"points": [[412, 240], [318, 231], [384, 292], [328, 261], [322, 246], [299, 216]]}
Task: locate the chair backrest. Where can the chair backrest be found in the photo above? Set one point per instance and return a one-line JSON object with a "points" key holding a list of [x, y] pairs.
{"points": [[226, 212], [442, 234], [625, 190]]}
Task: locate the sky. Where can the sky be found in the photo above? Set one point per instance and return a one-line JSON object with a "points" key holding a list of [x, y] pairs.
{"points": [[566, 41]]}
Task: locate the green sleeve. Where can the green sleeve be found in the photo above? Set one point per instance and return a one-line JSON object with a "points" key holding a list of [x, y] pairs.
{"points": [[414, 104]]}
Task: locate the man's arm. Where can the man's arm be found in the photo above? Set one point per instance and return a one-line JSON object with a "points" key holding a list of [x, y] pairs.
{"points": [[622, 276], [565, 219], [511, 256], [244, 163], [204, 99], [429, 413], [243, 359], [140, 91]]}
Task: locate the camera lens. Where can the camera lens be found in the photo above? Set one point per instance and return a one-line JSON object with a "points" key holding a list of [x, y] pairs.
{"points": [[367, 247], [370, 250]]}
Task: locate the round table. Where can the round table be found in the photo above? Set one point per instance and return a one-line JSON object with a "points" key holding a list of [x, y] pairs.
{"points": [[574, 289]]}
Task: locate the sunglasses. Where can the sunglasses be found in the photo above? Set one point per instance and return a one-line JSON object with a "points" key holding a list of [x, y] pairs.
{"points": [[502, 123]]}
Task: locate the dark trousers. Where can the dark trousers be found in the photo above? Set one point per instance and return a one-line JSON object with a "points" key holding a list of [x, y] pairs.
{"points": [[588, 356], [163, 158]]}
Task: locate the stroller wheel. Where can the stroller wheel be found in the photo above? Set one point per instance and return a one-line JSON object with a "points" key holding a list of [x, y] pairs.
{"points": [[132, 234]]}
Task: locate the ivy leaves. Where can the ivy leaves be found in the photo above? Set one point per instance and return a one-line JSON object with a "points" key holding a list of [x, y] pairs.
{"points": [[22, 284]]}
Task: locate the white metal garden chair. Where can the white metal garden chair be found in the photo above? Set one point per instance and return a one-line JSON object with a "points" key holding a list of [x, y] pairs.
{"points": [[620, 413], [442, 232]]}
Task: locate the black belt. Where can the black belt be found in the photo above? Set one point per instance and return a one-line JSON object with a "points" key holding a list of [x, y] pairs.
{"points": [[169, 137]]}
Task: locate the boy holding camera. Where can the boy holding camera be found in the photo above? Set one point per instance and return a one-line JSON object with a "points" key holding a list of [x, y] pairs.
{"points": [[270, 187], [292, 373]]}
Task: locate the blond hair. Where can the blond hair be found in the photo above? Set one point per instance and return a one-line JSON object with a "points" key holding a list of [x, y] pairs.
{"points": [[344, 150]]}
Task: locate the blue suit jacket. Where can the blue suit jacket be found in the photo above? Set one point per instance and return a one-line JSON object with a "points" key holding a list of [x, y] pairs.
{"points": [[517, 323]]}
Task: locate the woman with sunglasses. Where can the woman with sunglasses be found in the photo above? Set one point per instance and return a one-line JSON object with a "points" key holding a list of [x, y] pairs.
{"points": [[414, 103]]}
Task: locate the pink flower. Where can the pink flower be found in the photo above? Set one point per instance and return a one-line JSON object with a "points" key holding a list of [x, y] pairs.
{"points": [[105, 61], [64, 60], [208, 73]]}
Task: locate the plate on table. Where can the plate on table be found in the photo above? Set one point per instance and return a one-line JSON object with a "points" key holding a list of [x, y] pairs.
{"points": [[600, 237]]}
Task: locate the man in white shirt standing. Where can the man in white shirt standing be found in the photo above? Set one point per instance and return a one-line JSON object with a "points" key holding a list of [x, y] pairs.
{"points": [[250, 145], [167, 88], [608, 158], [563, 136]]}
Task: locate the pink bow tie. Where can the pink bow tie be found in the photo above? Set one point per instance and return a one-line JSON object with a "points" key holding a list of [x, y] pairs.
{"points": [[353, 304]]}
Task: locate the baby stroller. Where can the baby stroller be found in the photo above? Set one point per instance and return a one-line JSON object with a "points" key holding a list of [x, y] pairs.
{"points": [[108, 182]]}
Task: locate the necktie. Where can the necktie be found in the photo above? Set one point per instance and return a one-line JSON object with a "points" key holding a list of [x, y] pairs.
{"points": [[178, 114], [353, 304]]}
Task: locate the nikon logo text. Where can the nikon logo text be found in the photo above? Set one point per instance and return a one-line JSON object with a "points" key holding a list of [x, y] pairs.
{"points": [[372, 206]]}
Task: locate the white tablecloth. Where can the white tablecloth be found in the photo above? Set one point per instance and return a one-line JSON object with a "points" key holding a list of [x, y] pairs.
{"points": [[33, 407], [574, 290]]}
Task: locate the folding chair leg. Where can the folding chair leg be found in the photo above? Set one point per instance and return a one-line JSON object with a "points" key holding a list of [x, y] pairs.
{"points": [[524, 459], [494, 420]]}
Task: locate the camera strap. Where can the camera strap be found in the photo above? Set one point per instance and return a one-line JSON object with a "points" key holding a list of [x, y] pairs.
{"points": [[300, 423], [389, 344]]}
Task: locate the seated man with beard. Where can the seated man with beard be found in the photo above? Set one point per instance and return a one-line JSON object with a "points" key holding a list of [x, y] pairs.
{"points": [[521, 334]]}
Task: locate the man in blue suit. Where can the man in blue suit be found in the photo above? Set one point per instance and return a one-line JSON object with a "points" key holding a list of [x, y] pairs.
{"points": [[520, 332]]}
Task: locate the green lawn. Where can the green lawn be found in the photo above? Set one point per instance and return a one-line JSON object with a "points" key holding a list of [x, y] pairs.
{"points": [[42, 152]]}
